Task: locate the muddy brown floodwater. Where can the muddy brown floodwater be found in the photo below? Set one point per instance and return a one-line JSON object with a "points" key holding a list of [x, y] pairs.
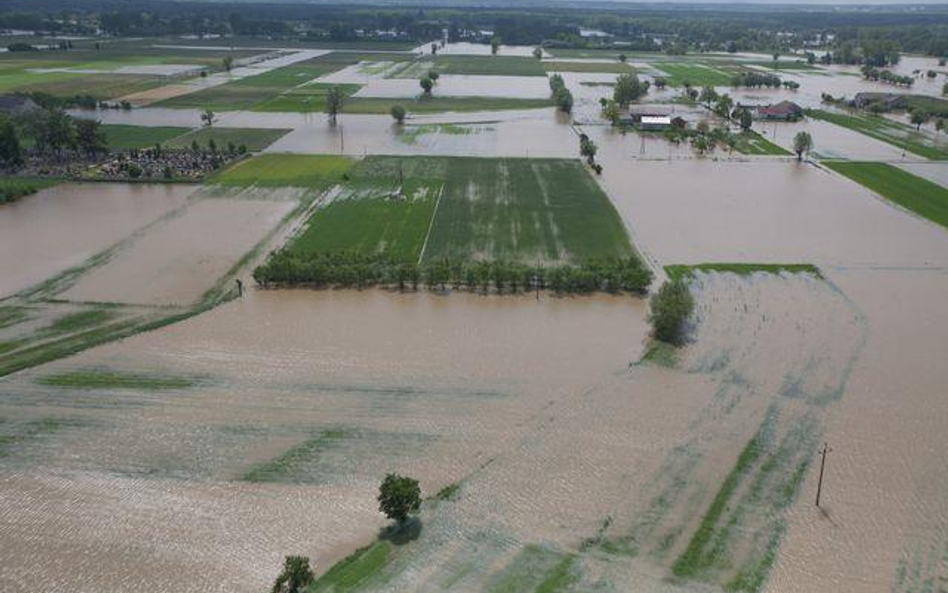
{"points": [[429, 385], [60, 227]]}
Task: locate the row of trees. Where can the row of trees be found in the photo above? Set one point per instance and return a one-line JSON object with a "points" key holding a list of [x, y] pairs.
{"points": [[756, 79], [561, 95], [873, 73], [52, 132], [352, 270]]}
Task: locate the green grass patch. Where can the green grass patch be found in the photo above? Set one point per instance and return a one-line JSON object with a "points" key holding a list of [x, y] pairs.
{"points": [[289, 466], [14, 188], [436, 104], [316, 172], [78, 321], [785, 65], [12, 315], [409, 133], [13, 434], [108, 379], [308, 98], [122, 136], [357, 571], [472, 65], [449, 492], [751, 142], [741, 269], [254, 139], [695, 74], [885, 130], [607, 67], [909, 191], [661, 353]]}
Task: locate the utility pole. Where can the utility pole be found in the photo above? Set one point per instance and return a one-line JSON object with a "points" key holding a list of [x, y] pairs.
{"points": [[819, 484], [342, 140]]}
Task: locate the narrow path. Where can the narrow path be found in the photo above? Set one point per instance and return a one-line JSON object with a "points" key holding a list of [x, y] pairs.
{"points": [[434, 213]]}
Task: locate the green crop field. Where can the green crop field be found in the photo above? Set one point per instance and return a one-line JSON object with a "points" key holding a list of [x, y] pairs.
{"points": [[754, 143], [253, 138], [694, 74], [909, 191], [473, 65], [741, 269], [888, 131], [608, 67], [122, 136], [286, 170], [468, 209], [305, 99], [784, 65]]}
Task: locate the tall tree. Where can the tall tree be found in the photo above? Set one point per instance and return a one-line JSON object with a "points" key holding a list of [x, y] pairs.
{"points": [[11, 153], [494, 45], [334, 102], [296, 577], [802, 143], [399, 496], [426, 84], [90, 138], [208, 117]]}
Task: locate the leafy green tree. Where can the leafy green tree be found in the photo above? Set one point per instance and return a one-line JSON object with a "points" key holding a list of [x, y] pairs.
{"points": [[628, 88], [296, 577], [90, 138], [228, 63], [11, 152], [802, 143], [207, 118], [723, 106], [623, 58], [747, 120], [426, 84], [538, 53], [399, 496], [708, 96], [433, 75], [918, 117], [494, 45], [587, 148], [398, 113], [670, 308], [335, 99], [612, 112]]}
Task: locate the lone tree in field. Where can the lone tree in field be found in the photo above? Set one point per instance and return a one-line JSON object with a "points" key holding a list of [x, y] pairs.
{"points": [[334, 102], [426, 84], [747, 120], [296, 576], [537, 53], [802, 143], [207, 118], [587, 148], [228, 63], [398, 497], [433, 75], [494, 45], [918, 117], [398, 113], [671, 306]]}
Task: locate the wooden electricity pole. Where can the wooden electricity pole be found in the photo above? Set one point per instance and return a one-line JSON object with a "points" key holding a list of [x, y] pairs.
{"points": [[819, 484]]}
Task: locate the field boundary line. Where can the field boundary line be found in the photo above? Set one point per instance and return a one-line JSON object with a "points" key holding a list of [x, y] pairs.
{"points": [[434, 213]]}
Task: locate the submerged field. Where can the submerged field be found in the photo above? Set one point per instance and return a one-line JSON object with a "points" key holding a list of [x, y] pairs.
{"points": [[888, 131]]}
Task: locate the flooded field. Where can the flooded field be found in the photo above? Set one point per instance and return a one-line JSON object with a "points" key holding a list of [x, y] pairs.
{"points": [[556, 452], [62, 226], [177, 260]]}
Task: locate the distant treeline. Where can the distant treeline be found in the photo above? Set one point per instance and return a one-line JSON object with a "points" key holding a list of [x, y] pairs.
{"points": [[352, 270], [857, 35]]}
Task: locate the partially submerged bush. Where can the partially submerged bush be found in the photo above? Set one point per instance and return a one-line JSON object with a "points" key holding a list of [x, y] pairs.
{"points": [[671, 306]]}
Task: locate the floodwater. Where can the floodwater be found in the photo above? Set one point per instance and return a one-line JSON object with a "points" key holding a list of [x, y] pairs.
{"points": [[935, 172], [481, 49], [457, 85], [180, 258], [430, 385], [60, 227]]}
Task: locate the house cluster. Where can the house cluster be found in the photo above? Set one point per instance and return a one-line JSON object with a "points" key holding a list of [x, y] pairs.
{"points": [[660, 117]]}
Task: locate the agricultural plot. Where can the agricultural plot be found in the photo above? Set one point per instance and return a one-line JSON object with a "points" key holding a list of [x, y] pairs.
{"points": [[436, 104], [254, 139], [607, 67], [305, 99], [753, 143], [888, 131], [122, 136], [286, 170], [466, 209], [909, 191], [694, 74], [470, 65]]}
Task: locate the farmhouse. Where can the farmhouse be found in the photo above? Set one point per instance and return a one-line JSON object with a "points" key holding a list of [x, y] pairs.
{"points": [[887, 100], [783, 111], [655, 122]]}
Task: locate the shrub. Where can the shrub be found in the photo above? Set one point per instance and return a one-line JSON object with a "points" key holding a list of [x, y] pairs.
{"points": [[671, 306]]}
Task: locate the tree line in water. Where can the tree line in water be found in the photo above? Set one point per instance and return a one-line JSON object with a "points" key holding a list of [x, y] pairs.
{"points": [[354, 270]]}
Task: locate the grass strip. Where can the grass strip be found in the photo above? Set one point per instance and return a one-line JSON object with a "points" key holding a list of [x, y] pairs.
{"points": [[676, 272], [909, 191], [356, 571], [106, 379]]}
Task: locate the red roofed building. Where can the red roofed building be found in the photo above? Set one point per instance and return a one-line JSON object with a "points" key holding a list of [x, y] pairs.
{"points": [[783, 111]]}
